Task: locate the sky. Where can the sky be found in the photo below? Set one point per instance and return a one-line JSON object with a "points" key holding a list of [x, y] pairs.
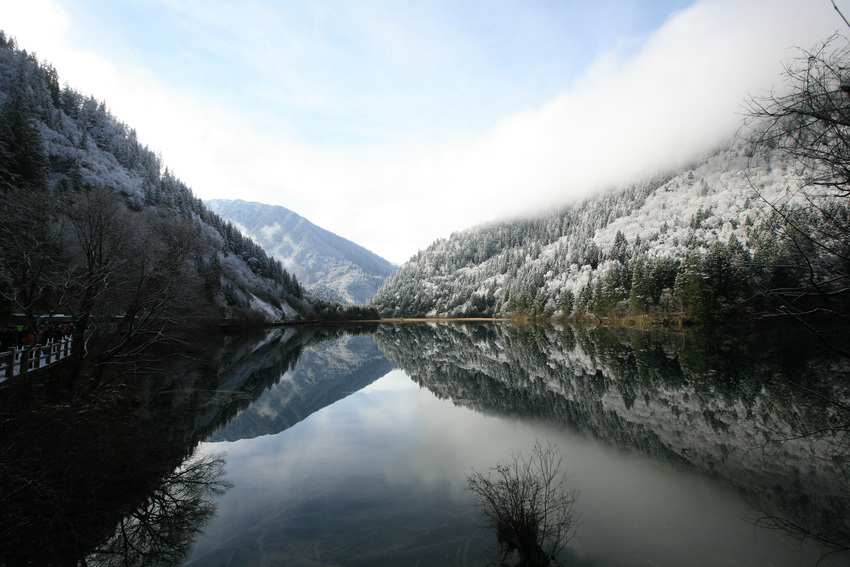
{"points": [[394, 123]]}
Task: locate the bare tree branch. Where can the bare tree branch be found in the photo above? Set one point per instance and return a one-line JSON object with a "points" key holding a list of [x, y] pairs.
{"points": [[528, 504]]}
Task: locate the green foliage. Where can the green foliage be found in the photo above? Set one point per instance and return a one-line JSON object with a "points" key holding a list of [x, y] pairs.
{"points": [[713, 285], [612, 290], [641, 297], [334, 311], [567, 302], [584, 303], [693, 289]]}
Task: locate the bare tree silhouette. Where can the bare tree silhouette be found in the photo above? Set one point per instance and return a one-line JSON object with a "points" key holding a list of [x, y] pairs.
{"points": [[162, 530], [528, 504], [808, 122]]}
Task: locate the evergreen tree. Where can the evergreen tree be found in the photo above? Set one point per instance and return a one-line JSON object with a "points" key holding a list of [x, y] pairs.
{"points": [[567, 302], [612, 290], [23, 160], [641, 297]]}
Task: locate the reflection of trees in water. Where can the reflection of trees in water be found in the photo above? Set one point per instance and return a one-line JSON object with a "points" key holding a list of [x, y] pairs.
{"points": [[822, 519], [73, 464], [815, 516], [162, 530], [750, 407]]}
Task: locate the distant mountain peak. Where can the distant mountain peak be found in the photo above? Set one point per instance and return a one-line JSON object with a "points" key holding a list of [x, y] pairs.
{"points": [[327, 265]]}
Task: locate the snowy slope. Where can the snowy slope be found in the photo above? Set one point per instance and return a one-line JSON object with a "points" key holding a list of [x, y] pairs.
{"points": [[327, 265], [69, 146], [503, 268]]}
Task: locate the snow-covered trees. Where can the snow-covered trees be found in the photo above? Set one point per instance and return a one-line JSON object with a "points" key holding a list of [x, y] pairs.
{"points": [[761, 226], [23, 160], [617, 253], [94, 227], [714, 284], [327, 266], [696, 243]]}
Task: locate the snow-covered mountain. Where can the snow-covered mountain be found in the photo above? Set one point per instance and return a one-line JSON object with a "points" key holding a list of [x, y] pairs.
{"points": [[327, 265], [650, 247], [67, 164]]}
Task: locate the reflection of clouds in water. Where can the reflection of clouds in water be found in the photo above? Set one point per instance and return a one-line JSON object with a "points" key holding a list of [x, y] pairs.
{"points": [[383, 435], [450, 447], [392, 381], [393, 457], [400, 447], [400, 439], [432, 451], [269, 406]]}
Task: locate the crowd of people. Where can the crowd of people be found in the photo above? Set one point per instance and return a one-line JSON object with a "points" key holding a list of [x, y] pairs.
{"points": [[28, 337]]}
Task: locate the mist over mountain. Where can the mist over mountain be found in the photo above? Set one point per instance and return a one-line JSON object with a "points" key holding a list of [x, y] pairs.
{"points": [[693, 242], [327, 265]]}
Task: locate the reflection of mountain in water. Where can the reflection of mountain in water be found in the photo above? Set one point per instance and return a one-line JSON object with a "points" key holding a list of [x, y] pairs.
{"points": [[74, 464], [232, 376], [737, 407], [325, 373]]}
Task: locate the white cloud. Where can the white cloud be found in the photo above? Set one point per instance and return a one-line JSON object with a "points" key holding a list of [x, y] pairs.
{"points": [[632, 112], [680, 95], [269, 232]]}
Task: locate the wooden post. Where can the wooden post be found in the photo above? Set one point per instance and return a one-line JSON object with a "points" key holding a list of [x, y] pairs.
{"points": [[25, 363], [9, 371]]}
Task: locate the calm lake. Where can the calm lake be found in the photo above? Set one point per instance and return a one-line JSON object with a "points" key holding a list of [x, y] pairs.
{"points": [[353, 446], [685, 449]]}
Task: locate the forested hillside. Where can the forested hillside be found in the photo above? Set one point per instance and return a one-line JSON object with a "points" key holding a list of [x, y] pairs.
{"points": [[698, 242], [615, 253], [760, 227], [96, 228]]}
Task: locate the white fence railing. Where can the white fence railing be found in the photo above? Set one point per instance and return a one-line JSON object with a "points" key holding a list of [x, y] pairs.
{"points": [[17, 362]]}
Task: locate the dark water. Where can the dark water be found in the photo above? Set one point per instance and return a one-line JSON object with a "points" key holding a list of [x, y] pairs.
{"points": [[323, 447]]}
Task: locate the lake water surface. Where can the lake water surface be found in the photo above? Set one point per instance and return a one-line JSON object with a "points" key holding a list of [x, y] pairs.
{"points": [[699, 448]]}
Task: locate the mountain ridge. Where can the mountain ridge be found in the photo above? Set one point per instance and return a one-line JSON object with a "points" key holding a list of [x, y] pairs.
{"points": [[326, 264]]}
